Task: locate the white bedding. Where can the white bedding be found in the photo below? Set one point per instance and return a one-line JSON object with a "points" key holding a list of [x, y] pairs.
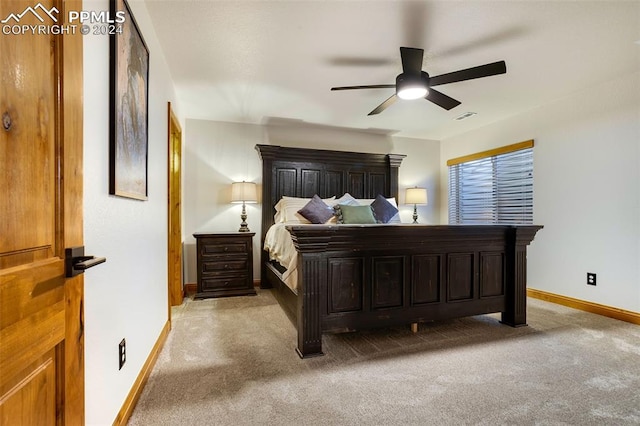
{"points": [[278, 243]]}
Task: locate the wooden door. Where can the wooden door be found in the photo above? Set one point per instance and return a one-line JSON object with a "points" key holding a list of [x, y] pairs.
{"points": [[41, 311], [176, 290]]}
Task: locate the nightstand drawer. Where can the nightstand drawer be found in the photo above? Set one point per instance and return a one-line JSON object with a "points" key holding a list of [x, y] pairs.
{"points": [[209, 284], [218, 265], [210, 249]]}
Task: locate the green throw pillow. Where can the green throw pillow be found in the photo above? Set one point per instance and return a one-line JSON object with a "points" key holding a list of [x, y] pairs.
{"points": [[356, 214]]}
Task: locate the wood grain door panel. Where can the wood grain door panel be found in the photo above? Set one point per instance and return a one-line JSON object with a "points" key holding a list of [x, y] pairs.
{"points": [[31, 396], [41, 330], [27, 102]]}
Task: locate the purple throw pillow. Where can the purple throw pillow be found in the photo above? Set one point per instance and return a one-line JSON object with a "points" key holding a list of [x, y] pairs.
{"points": [[316, 211], [383, 210]]}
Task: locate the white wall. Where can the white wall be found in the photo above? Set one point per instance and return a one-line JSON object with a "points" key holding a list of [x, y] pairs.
{"points": [[586, 190], [218, 153], [126, 297]]}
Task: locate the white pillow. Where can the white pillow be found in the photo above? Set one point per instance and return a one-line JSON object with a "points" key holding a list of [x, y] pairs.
{"points": [[346, 199], [287, 209]]}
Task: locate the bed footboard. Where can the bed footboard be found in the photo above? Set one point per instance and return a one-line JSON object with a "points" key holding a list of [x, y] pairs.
{"points": [[357, 277]]}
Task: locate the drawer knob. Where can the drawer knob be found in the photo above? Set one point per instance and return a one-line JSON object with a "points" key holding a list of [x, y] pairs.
{"points": [[226, 266], [226, 249]]}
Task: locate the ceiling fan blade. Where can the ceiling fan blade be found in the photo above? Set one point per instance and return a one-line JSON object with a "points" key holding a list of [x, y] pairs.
{"points": [[411, 59], [441, 99], [386, 104], [376, 86], [470, 73]]}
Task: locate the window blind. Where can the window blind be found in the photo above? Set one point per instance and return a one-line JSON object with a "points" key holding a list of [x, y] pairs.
{"points": [[493, 189]]}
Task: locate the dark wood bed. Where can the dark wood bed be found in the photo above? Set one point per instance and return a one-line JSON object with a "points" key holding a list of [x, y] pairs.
{"points": [[353, 277]]}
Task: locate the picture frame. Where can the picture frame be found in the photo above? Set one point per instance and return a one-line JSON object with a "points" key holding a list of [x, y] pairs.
{"points": [[129, 108]]}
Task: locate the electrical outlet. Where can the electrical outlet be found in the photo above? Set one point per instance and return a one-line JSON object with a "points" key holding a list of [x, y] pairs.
{"points": [[591, 278], [122, 353]]}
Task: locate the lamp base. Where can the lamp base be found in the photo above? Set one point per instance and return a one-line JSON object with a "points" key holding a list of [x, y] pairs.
{"points": [[243, 225], [415, 213]]}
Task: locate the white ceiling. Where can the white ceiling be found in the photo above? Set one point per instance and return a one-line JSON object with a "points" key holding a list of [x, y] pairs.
{"points": [[252, 61]]}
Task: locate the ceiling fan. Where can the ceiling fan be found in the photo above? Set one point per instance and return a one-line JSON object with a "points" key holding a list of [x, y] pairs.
{"points": [[414, 83]]}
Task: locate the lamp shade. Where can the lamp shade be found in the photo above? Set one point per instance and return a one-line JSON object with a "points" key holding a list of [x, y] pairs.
{"points": [[243, 192], [416, 196]]}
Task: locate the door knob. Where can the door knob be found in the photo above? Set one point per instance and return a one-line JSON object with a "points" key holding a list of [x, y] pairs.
{"points": [[76, 262]]}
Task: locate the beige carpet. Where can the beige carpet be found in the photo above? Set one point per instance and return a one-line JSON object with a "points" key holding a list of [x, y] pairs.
{"points": [[231, 361]]}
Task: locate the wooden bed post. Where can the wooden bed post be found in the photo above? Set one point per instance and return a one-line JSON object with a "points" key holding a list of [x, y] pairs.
{"points": [[267, 157], [518, 238], [394, 165], [311, 287]]}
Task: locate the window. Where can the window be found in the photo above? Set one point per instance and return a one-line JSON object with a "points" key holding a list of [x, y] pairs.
{"points": [[494, 186]]}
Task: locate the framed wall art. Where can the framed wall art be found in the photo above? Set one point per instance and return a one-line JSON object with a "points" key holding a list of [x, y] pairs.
{"points": [[129, 107]]}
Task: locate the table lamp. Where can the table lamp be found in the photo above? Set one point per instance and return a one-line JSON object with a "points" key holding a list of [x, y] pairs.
{"points": [[416, 196], [243, 192]]}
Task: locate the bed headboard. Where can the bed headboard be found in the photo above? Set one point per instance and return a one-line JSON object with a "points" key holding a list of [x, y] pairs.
{"points": [[301, 172]]}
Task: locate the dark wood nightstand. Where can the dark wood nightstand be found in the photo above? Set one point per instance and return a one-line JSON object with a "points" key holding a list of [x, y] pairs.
{"points": [[225, 264]]}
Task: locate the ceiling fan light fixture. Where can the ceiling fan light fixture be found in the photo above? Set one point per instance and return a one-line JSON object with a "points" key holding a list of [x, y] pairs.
{"points": [[412, 92], [410, 86]]}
